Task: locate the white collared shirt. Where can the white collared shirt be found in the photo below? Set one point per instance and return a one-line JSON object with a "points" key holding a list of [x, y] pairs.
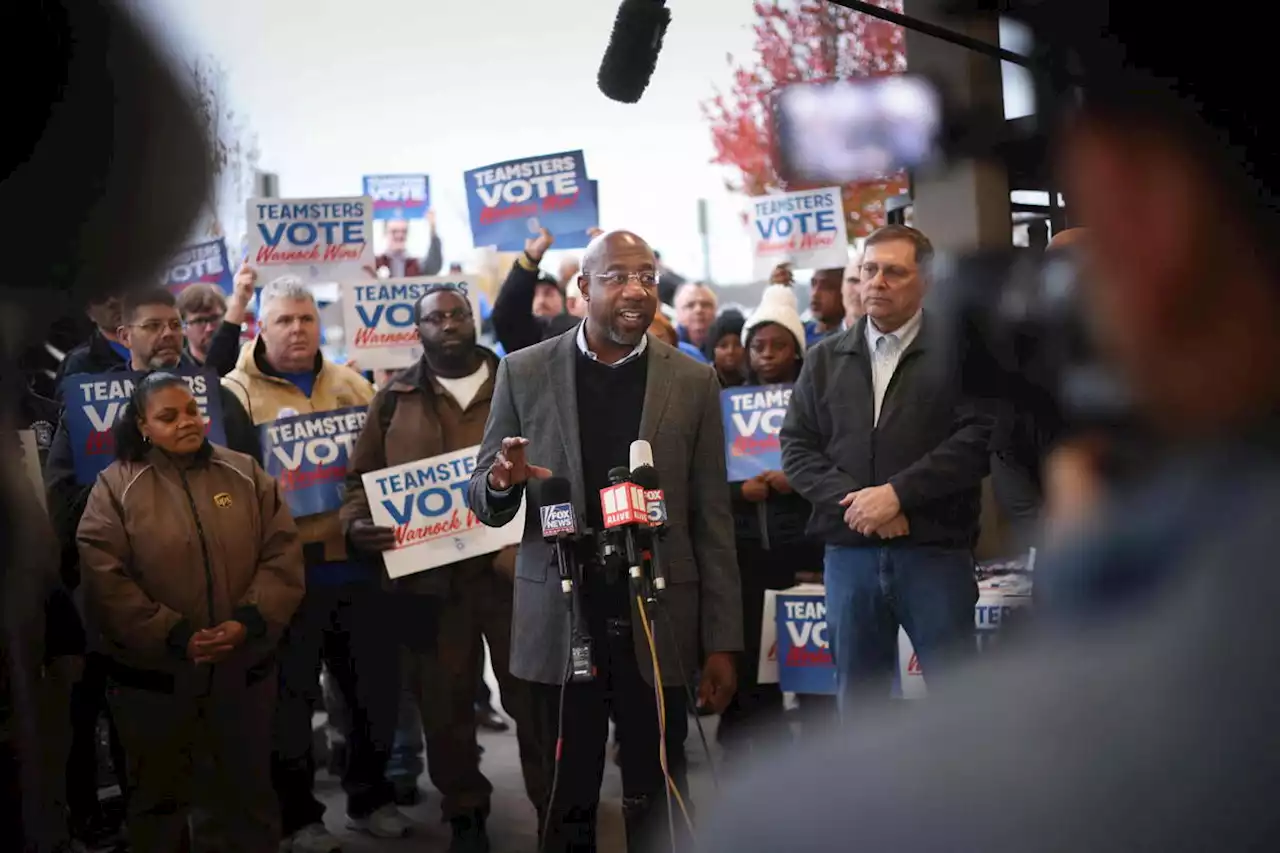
{"points": [[631, 356], [886, 351]]}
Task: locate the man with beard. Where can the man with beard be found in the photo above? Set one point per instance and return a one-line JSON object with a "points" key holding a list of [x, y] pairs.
{"points": [[574, 404], [150, 330], [439, 406]]}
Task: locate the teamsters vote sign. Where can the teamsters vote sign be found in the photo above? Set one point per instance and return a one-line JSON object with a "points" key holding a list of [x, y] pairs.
{"points": [[398, 196], [382, 329], [316, 239], [308, 455], [425, 503], [805, 229], [203, 263], [752, 421], [95, 401], [510, 201]]}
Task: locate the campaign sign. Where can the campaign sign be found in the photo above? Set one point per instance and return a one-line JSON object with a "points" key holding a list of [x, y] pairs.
{"points": [[308, 454], [752, 420], [804, 649], [805, 229], [398, 196], [95, 402], [316, 239], [203, 263], [382, 330], [425, 503], [510, 201]]}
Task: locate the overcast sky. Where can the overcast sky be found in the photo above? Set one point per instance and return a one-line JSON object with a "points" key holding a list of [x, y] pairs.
{"points": [[337, 90]]}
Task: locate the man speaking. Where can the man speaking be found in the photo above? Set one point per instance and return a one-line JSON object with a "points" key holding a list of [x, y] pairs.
{"points": [[573, 405]]}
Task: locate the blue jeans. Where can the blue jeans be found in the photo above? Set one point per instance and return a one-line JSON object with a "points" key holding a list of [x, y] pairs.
{"points": [[930, 592]]}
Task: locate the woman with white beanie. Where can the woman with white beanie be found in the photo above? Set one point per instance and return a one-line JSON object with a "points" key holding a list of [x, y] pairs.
{"points": [[769, 522]]}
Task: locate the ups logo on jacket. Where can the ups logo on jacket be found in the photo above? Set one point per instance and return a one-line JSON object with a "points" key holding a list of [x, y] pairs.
{"points": [[222, 500]]}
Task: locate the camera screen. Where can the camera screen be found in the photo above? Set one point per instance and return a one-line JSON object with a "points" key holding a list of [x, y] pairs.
{"points": [[850, 130]]}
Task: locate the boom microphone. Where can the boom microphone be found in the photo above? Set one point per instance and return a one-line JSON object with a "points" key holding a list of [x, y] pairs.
{"points": [[632, 54]]}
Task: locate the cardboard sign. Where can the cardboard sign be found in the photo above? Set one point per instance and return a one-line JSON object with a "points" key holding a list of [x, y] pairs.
{"points": [[804, 649], [316, 239], [309, 455], [379, 318], [203, 263], [399, 196], [752, 420], [806, 229], [95, 401], [425, 503], [510, 201]]}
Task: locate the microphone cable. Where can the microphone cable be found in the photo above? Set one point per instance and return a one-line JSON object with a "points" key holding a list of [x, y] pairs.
{"points": [[555, 773], [693, 699], [660, 699]]}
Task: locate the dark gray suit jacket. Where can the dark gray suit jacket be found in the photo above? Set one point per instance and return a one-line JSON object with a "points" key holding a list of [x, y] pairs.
{"points": [[536, 397]]}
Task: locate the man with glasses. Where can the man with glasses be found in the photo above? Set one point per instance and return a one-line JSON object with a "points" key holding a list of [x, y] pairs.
{"points": [[574, 404], [213, 326], [891, 456], [440, 405]]}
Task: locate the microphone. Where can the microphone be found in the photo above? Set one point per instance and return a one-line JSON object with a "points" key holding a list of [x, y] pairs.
{"points": [[624, 510], [645, 476], [559, 524], [633, 49]]}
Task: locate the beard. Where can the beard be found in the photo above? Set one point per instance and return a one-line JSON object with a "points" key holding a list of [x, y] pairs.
{"points": [[165, 361], [453, 360]]}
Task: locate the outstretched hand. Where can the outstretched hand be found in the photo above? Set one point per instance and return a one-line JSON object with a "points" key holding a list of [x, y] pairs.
{"points": [[510, 468]]}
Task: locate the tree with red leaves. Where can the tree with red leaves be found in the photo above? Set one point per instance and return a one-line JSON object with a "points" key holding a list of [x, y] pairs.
{"points": [[799, 40]]}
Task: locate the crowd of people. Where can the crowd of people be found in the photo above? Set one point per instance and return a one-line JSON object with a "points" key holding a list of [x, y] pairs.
{"points": [[209, 616]]}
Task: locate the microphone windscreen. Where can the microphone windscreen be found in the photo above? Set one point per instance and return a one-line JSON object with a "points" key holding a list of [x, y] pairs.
{"points": [[619, 475], [641, 454], [632, 54], [646, 477], [555, 490]]}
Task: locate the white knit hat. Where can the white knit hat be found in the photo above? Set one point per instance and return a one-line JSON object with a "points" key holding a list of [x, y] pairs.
{"points": [[777, 305]]}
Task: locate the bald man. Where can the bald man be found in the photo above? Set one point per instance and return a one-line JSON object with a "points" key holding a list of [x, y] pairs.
{"points": [[570, 407]]}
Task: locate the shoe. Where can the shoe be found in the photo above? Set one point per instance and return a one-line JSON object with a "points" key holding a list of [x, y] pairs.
{"points": [[488, 718], [408, 796], [313, 838], [386, 822], [469, 835]]}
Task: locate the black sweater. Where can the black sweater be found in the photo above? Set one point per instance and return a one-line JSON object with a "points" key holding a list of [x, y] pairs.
{"points": [[610, 401]]}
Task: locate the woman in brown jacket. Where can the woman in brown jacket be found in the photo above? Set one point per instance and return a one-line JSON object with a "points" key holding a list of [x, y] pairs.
{"points": [[192, 568]]}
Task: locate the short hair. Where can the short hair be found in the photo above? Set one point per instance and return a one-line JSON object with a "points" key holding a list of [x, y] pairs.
{"points": [[139, 298], [914, 236], [288, 287], [199, 298], [458, 289], [695, 285]]}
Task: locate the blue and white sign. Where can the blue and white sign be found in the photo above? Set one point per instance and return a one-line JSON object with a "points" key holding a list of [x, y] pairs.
{"points": [[510, 201], [425, 503], [399, 196], [95, 401], [317, 239], [203, 263], [752, 421], [804, 649], [378, 315], [309, 455], [806, 229]]}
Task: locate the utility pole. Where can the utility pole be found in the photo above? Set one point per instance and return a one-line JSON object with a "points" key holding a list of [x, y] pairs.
{"points": [[704, 230]]}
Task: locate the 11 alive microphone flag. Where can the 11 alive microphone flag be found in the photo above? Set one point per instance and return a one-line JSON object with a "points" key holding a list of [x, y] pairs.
{"points": [[624, 504]]}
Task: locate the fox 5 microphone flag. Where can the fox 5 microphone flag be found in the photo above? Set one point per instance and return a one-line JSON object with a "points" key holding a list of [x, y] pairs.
{"points": [[509, 202]]}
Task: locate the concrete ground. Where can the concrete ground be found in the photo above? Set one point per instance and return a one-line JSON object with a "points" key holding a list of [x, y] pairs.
{"points": [[512, 825]]}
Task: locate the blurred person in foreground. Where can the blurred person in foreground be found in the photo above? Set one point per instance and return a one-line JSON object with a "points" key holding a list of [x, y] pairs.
{"points": [[1144, 716], [193, 569]]}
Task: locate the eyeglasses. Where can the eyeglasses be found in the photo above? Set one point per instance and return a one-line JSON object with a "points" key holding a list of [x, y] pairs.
{"points": [[155, 327], [647, 279], [208, 320], [439, 318]]}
